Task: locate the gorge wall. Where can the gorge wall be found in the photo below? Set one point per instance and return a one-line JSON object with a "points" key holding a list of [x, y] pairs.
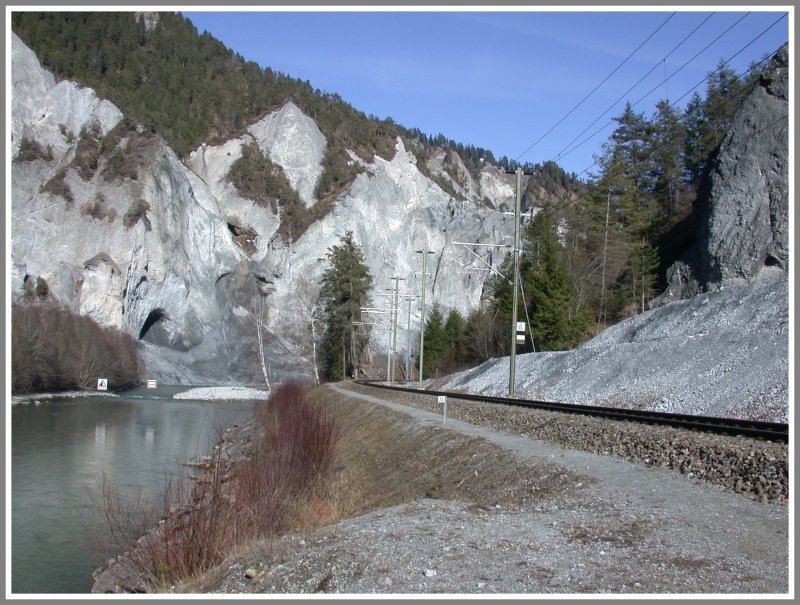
{"points": [[128, 233]]}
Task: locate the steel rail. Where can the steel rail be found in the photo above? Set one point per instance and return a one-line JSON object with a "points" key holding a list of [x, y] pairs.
{"points": [[773, 431]]}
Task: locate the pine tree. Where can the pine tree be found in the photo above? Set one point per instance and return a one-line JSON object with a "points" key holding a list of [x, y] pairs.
{"points": [[628, 168], [694, 151], [454, 327], [724, 93], [344, 291], [436, 343], [668, 136], [547, 286]]}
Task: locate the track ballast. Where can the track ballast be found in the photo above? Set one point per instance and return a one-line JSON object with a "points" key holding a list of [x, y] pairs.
{"points": [[772, 431]]}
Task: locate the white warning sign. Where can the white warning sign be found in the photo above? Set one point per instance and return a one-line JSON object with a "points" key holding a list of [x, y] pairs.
{"points": [[102, 384]]}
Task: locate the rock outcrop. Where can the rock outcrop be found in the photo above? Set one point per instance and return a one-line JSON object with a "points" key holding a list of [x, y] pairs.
{"points": [[743, 224], [169, 250]]}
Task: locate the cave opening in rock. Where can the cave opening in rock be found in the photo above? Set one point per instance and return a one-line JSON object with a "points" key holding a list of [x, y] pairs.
{"points": [[153, 318]]}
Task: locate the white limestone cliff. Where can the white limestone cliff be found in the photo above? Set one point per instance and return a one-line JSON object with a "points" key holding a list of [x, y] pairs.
{"points": [[176, 277], [293, 141]]}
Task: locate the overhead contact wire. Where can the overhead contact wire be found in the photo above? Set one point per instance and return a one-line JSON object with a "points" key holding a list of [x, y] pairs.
{"points": [[569, 113]]}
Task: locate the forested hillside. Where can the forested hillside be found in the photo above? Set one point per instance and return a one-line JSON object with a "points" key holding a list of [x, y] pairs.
{"points": [[189, 88]]}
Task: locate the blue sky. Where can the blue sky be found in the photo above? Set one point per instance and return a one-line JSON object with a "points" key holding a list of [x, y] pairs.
{"points": [[497, 79]]}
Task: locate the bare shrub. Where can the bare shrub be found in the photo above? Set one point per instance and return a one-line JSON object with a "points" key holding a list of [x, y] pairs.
{"points": [[126, 148], [263, 494], [97, 209], [53, 349], [87, 153], [58, 186], [137, 211]]}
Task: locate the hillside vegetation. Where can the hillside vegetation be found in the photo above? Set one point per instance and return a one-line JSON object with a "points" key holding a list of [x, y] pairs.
{"points": [[56, 350], [189, 88]]}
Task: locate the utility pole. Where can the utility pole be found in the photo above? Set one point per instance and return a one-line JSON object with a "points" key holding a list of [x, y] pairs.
{"points": [[424, 253], [377, 311], [391, 310], [394, 324], [512, 360], [408, 340]]}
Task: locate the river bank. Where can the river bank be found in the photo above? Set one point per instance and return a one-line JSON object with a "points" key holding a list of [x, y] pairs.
{"points": [[64, 450], [419, 506], [217, 393], [460, 508]]}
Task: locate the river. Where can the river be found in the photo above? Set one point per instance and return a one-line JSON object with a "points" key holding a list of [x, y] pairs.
{"points": [[60, 450]]}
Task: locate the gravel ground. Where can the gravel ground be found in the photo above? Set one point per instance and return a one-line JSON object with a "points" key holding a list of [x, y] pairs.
{"points": [[718, 354], [592, 524], [756, 468]]}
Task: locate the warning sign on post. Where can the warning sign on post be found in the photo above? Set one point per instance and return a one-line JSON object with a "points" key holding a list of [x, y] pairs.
{"points": [[151, 384], [102, 384]]}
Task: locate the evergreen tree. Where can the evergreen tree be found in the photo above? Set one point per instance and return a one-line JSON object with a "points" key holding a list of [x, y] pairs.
{"points": [[668, 136], [694, 151], [344, 291], [638, 284], [436, 343], [724, 93], [547, 287], [627, 172], [454, 327]]}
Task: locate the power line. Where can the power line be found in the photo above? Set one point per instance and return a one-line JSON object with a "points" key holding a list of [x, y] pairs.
{"points": [[674, 103], [595, 88], [565, 198], [652, 69], [659, 85]]}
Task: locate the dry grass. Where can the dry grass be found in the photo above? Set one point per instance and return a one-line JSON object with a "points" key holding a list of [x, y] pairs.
{"points": [[388, 460]]}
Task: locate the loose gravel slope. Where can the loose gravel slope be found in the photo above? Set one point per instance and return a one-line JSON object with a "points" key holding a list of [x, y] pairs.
{"points": [[720, 354]]}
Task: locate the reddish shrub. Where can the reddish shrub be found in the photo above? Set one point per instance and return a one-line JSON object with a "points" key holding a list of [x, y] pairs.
{"points": [[53, 349], [261, 495]]}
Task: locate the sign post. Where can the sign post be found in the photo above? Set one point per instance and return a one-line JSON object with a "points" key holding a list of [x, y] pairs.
{"points": [[102, 384], [521, 332], [443, 400]]}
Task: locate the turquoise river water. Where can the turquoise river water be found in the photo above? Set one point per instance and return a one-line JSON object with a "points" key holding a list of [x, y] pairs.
{"points": [[62, 448]]}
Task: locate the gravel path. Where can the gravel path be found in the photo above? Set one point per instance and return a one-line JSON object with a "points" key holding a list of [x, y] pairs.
{"points": [[620, 527]]}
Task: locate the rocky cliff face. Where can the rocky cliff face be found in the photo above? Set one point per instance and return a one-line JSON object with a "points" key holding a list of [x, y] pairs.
{"points": [[743, 227], [169, 251]]}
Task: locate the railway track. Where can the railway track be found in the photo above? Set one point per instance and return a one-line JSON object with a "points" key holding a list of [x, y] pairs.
{"points": [[772, 431]]}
